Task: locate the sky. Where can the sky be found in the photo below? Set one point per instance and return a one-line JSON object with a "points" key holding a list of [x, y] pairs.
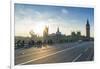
{"points": [[30, 17]]}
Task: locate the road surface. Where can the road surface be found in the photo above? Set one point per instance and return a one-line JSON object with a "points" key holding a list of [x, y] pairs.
{"points": [[57, 53]]}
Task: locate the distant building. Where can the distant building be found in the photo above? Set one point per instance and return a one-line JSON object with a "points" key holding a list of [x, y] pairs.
{"points": [[58, 37], [58, 32], [78, 33], [54, 37], [45, 32], [87, 29], [73, 33]]}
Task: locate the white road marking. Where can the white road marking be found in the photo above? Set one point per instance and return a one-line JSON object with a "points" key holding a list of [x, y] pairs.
{"points": [[46, 56], [26, 55], [86, 49], [77, 57], [53, 54]]}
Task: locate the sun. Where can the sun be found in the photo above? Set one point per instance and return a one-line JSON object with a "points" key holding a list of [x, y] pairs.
{"points": [[38, 29]]}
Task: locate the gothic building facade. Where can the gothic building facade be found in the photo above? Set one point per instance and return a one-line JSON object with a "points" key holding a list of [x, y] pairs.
{"points": [[87, 29], [58, 37]]}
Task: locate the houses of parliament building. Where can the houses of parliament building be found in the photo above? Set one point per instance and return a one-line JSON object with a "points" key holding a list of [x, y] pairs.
{"points": [[58, 37]]}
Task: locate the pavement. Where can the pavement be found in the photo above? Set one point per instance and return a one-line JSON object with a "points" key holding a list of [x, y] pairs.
{"points": [[56, 53]]}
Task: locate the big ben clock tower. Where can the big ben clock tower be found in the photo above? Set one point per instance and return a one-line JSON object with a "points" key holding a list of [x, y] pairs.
{"points": [[87, 29]]}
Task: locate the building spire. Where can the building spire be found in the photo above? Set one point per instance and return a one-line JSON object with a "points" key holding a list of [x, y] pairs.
{"points": [[87, 22], [58, 29], [58, 32], [87, 29]]}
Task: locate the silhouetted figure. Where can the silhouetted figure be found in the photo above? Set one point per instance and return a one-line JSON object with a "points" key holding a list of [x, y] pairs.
{"points": [[18, 44], [50, 42], [31, 43], [39, 44], [22, 43]]}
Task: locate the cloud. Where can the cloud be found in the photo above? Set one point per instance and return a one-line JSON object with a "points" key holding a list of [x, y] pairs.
{"points": [[28, 18], [65, 11]]}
